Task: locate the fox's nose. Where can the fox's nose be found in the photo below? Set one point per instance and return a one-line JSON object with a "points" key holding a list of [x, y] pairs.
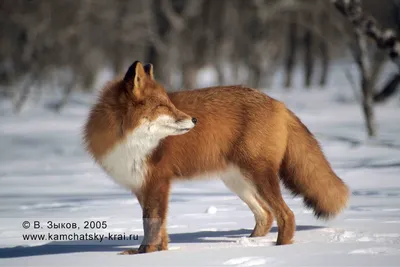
{"points": [[194, 120]]}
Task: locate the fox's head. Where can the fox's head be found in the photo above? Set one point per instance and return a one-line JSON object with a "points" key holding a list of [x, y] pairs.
{"points": [[152, 110], [137, 105]]}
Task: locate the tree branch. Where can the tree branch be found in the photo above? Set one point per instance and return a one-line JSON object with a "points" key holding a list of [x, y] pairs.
{"points": [[385, 39]]}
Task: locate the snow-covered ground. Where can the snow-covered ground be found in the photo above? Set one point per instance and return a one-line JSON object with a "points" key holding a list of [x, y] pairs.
{"points": [[45, 175]]}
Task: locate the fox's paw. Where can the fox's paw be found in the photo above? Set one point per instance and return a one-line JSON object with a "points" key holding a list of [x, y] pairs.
{"points": [[142, 249], [260, 231], [262, 227], [284, 242], [129, 252]]}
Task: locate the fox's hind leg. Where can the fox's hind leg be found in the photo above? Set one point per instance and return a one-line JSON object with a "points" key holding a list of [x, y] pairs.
{"points": [[263, 224], [242, 187], [268, 188]]}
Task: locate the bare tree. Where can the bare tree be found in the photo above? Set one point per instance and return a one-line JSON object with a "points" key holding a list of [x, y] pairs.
{"points": [[365, 26]]}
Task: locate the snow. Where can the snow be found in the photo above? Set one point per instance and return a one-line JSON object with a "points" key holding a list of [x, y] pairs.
{"points": [[211, 210], [46, 176]]}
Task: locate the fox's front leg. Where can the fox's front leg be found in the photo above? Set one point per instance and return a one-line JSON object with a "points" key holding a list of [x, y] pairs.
{"points": [[154, 201]]}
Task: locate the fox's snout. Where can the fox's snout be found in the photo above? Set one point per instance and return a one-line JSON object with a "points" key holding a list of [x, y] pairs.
{"points": [[193, 120], [165, 125], [186, 124], [184, 120]]}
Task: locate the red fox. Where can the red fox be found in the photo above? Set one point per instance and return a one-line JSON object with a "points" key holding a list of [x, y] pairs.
{"points": [[145, 139]]}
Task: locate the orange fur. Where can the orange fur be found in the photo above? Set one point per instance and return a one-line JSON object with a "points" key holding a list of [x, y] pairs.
{"points": [[237, 126]]}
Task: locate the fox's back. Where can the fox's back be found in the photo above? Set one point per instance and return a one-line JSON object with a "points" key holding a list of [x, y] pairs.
{"points": [[229, 118]]}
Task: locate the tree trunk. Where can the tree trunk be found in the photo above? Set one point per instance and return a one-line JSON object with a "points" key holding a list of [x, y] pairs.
{"points": [[325, 60], [378, 62], [88, 80], [308, 44], [291, 46], [324, 48], [21, 99], [362, 59], [220, 73], [254, 78], [69, 87], [368, 102]]}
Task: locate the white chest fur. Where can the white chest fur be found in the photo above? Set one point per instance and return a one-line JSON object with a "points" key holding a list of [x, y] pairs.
{"points": [[126, 162]]}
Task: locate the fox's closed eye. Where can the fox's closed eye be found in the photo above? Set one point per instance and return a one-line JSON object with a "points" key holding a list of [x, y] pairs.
{"points": [[162, 108]]}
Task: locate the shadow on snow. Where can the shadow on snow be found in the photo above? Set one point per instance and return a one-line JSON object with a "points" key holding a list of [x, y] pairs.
{"points": [[63, 247]]}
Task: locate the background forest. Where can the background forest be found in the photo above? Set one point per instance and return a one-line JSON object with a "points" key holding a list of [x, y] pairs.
{"points": [[64, 46]]}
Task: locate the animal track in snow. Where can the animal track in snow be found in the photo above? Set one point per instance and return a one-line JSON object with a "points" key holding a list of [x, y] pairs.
{"points": [[340, 235]]}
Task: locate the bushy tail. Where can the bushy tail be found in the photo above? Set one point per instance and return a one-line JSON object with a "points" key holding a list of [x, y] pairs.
{"points": [[305, 171]]}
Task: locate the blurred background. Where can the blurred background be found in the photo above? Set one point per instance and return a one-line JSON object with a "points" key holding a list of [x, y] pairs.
{"points": [[55, 56], [53, 49]]}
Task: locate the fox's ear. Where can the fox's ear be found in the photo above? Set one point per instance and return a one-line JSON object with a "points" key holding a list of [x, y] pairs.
{"points": [[135, 76], [148, 68]]}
